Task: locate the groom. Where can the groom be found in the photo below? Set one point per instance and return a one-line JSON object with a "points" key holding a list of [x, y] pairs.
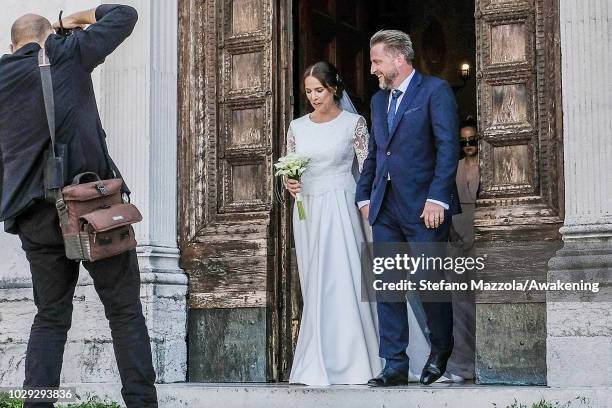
{"points": [[407, 189]]}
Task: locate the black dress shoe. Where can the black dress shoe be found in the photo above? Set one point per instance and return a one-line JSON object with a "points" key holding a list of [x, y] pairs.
{"points": [[434, 368], [389, 378]]}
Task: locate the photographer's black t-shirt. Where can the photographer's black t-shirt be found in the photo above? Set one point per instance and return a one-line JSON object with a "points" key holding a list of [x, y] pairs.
{"points": [[24, 133]]}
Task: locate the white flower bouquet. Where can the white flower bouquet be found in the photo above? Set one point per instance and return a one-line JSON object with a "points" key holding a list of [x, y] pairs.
{"points": [[292, 166]]}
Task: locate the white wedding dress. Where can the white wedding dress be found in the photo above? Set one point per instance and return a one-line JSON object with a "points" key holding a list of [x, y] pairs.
{"points": [[338, 339]]}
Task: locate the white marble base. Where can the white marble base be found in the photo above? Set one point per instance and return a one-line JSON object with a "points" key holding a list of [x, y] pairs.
{"points": [[89, 353], [342, 396]]}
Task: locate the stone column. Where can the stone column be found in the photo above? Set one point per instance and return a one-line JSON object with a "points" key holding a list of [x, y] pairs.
{"points": [[139, 110], [579, 341]]}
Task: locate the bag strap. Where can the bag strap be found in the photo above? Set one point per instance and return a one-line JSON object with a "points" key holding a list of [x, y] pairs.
{"points": [[77, 179], [47, 86], [107, 156]]}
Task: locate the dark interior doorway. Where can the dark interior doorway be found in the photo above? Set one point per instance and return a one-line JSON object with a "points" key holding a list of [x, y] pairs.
{"points": [[444, 38], [442, 31]]}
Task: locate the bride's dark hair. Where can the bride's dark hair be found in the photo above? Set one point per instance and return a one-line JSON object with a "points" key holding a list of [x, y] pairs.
{"points": [[328, 75]]}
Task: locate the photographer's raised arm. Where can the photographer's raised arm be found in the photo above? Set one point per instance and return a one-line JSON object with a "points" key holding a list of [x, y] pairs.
{"points": [[77, 20], [110, 25]]}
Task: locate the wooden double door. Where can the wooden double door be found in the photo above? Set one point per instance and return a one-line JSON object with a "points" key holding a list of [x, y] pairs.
{"points": [[240, 72]]}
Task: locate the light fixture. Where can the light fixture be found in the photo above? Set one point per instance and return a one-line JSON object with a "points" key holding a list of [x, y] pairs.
{"points": [[464, 72]]}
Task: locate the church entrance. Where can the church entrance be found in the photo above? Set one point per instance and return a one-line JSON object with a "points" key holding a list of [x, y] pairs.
{"points": [[488, 51], [240, 68]]}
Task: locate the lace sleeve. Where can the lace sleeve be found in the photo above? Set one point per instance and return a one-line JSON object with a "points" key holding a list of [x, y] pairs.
{"points": [[361, 140], [290, 141]]}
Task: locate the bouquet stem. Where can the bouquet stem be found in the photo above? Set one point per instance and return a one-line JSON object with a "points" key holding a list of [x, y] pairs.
{"points": [[300, 207]]}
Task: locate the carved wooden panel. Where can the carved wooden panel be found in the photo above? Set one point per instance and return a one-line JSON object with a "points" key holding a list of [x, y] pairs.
{"points": [[506, 35], [510, 3], [520, 206], [518, 92], [510, 173], [244, 20], [246, 128], [510, 165], [246, 182], [246, 71], [508, 101], [244, 187], [234, 101], [508, 118], [246, 16], [509, 104], [227, 127], [508, 43]]}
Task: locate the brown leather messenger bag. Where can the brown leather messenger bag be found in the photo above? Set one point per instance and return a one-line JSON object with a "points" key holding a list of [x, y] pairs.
{"points": [[95, 219]]}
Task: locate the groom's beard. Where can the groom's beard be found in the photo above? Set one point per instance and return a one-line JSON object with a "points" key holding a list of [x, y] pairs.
{"points": [[387, 80]]}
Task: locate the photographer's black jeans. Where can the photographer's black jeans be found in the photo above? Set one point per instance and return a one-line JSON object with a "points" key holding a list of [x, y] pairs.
{"points": [[54, 277]]}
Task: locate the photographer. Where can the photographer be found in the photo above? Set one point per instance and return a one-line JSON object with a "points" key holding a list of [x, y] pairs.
{"points": [[24, 142]]}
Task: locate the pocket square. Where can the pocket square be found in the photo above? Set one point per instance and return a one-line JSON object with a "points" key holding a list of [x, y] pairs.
{"points": [[412, 110]]}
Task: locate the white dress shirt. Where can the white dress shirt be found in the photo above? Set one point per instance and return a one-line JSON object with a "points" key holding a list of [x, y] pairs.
{"points": [[402, 87]]}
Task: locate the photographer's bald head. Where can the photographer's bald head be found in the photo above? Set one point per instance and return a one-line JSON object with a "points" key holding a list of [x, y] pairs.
{"points": [[30, 28]]}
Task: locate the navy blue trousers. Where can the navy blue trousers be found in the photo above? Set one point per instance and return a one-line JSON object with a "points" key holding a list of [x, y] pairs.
{"points": [[389, 227]]}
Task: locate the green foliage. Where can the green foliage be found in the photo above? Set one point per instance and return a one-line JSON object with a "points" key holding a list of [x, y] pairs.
{"points": [[5, 402], [92, 402], [579, 402]]}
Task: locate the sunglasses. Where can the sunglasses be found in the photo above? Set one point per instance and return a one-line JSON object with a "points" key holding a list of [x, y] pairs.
{"points": [[470, 142]]}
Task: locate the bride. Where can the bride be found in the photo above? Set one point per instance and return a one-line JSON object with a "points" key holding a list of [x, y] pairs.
{"points": [[338, 338], [338, 342]]}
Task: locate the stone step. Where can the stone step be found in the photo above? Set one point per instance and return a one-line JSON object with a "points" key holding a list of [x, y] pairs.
{"points": [[196, 395]]}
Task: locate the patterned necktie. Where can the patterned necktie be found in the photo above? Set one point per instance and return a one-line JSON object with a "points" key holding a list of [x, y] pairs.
{"points": [[395, 94]]}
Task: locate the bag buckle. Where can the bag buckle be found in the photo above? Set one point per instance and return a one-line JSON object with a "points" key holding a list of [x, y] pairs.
{"points": [[102, 189]]}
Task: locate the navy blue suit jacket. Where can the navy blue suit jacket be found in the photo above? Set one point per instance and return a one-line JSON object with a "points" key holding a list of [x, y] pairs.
{"points": [[420, 152]]}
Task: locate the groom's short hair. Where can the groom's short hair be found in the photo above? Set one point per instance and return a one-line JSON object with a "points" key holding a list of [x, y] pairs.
{"points": [[396, 41]]}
